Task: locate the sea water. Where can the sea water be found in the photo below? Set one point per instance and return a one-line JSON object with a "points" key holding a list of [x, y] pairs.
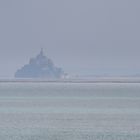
{"points": [[69, 111]]}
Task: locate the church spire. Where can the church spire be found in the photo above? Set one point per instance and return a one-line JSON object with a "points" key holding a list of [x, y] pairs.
{"points": [[41, 52]]}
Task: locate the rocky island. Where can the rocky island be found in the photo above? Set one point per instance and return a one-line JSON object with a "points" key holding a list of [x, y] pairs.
{"points": [[40, 67]]}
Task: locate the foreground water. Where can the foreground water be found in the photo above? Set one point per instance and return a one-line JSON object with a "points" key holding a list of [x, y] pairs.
{"points": [[69, 111]]}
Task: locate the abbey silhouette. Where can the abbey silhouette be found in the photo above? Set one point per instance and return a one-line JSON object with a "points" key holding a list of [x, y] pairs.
{"points": [[40, 67]]}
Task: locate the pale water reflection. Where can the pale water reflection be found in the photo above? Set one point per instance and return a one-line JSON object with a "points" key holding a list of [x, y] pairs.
{"points": [[69, 111]]}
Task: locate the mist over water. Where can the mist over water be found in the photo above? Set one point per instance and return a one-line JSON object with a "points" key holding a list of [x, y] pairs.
{"points": [[92, 37], [69, 111], [92, 41]]}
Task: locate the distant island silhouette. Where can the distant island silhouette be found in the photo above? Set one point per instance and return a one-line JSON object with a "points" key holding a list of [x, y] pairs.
{"points": [[40, 67]]}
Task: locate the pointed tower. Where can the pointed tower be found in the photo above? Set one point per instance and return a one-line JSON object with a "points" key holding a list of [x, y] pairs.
{"points": [[41, 52]]}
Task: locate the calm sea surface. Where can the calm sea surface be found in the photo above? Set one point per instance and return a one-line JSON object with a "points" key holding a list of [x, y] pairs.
{"points": [[69, 111]]}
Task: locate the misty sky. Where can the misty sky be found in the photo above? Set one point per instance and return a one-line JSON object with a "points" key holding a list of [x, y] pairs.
{"points": [[81, 36]]}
